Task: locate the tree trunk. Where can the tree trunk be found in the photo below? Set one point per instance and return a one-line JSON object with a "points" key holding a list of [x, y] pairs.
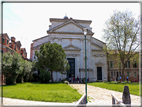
{"points": [[123, 74], [108, 72], [51, 76]]}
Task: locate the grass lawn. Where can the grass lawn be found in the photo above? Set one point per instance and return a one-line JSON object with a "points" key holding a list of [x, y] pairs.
{"points": [[52, 92], [133, 87]]}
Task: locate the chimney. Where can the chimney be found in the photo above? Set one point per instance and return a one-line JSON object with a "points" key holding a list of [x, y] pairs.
{"points": [[12, 39]]}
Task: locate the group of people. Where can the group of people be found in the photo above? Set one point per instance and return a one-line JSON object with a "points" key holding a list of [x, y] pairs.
{"points": [[77, 79], [119, 79]]}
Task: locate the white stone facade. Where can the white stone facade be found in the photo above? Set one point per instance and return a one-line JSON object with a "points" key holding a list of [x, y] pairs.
{"points": [[69, 34]]}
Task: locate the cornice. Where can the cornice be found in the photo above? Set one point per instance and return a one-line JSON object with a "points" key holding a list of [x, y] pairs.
{"points": [[77, 33]]}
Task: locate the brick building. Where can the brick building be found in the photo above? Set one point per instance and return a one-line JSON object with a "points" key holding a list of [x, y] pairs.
{"points": [[6, 45], [115, 69]]}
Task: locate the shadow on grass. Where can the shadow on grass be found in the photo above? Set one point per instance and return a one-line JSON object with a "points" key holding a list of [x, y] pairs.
{"points": [[8, 85], [45, 83]]}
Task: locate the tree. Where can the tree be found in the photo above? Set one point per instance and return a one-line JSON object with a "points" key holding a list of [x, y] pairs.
{"points": [[12, 67], [121, 35], [27, 69], [51, 57]]}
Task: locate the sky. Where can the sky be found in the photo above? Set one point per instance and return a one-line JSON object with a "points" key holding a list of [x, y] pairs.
{"points": [[29, 21]]}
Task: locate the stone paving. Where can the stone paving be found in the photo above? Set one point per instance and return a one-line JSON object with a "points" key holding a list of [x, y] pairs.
{"points": [[10, 101], [101, 96]]}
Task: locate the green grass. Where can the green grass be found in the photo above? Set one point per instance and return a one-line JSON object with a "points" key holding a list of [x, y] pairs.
{"points": [[52, 92], [133, 87]]}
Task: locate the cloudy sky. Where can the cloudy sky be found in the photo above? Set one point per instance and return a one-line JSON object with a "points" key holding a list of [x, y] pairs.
{"points": [[29, 21]]}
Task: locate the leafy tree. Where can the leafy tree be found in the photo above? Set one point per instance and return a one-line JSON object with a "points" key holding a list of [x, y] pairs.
{"points": [[121, 35], [34, 68], [11, 66], [27, 69], [51, 57]]}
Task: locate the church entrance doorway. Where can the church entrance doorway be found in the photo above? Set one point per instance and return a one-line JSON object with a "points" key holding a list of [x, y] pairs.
{"points": [[99, 73], [71, 72]]}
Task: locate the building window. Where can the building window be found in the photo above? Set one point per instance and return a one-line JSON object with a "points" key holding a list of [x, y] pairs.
{"points": [[135, 75], [3, 40], [7, 42], [111, 74], [135, 64], [128, 64], [128, 73], [111, 64]]}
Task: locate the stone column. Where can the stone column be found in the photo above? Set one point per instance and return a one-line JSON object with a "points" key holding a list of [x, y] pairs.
{"points": [[81, 54], [52, 39], [60, 41], [78, 64], [89, 54]]}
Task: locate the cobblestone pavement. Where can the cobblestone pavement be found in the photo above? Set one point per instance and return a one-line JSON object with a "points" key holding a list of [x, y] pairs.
{"points": [[103, 96]]}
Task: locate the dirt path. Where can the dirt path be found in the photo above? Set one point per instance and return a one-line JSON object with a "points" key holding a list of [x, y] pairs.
{"points": [[102, 96]]}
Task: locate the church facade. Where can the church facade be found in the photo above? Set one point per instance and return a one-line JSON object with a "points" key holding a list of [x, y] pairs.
{"points": [[69, 34]]}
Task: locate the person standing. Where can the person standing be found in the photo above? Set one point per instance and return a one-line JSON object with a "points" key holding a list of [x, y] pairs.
{"points": [[73, 79], [120, 78], [127, 79], [77, 79]]}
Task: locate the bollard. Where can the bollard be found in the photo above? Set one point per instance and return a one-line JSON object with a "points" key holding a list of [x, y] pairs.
{"points": [[126, 95]]}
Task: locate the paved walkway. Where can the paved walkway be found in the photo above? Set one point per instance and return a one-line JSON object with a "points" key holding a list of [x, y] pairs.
{"points": [[10, 101], [102, 96]]}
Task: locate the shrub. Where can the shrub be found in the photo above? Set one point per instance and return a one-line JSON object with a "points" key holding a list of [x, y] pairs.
{"points": [[44, 76], [19, 79], [26, 78], [104, 80], [35, 77], [10, 79], [66, 82]]}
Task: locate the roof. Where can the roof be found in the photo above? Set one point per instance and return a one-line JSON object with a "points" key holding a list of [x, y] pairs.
{"points": [[19, 43], [5, 34], [77, 20], [67, 22], [23, 49], [40, 38]]}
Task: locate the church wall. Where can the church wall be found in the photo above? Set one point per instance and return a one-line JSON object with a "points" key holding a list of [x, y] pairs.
{"points": [[78, 40], [40, 41]]}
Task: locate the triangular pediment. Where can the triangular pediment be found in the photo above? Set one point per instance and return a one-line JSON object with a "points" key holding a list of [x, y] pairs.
{"points": [[69, 27], [71, 47]]}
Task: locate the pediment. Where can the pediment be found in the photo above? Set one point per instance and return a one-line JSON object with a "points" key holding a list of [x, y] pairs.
{"points": [[71, 47], [69, 27], [99, 64]]}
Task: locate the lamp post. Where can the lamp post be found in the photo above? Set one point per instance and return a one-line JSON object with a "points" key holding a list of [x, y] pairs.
{"points": [[85, 33]]}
